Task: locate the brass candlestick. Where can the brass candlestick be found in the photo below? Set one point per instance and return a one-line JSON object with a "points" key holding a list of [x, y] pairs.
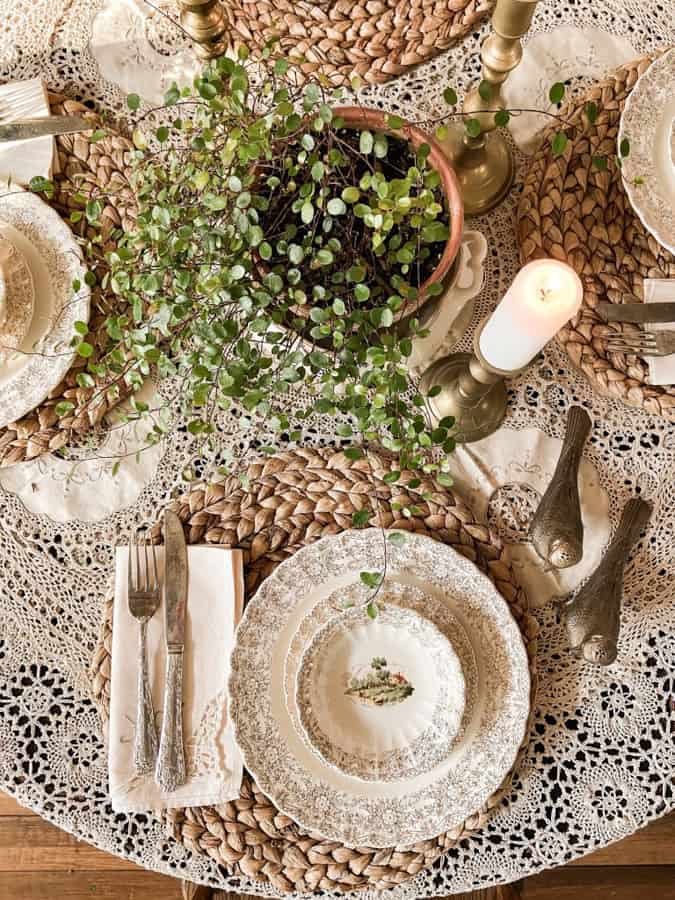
{"points": [[204, 21], [472, 392], [484, 165]]}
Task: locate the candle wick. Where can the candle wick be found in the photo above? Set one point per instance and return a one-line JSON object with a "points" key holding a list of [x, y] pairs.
{"points": [[544, 292]]}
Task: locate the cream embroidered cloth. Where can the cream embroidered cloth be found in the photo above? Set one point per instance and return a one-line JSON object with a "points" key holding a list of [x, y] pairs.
{"points": [[215, 602], [660, 290]]}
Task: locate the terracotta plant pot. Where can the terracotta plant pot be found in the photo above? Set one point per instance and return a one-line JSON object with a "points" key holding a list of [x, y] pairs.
{"points": [[359, 118]]}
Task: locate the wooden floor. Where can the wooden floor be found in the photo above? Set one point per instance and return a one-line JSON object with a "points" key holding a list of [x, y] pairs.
{"points": [[39, 862]]}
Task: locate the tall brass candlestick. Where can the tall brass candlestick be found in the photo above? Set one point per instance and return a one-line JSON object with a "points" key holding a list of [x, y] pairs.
{"points": [[204, 21], [484, 164]]}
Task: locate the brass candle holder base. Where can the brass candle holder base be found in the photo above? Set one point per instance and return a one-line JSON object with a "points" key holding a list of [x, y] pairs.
{"points": [[485, 168], [473, 392]]}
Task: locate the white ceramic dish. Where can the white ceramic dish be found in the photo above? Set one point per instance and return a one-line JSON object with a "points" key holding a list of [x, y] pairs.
{"points": [[55, 262], [380, 699], [277, 625], [648, 122]]}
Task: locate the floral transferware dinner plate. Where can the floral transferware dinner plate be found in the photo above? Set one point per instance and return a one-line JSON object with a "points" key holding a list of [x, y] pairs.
{"points": [[383, 699], [648, 123], [54, 259], [303, 594]]}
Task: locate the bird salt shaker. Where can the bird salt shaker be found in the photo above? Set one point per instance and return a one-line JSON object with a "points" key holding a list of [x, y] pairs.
{"points": [[592, 617], [556, 532]]}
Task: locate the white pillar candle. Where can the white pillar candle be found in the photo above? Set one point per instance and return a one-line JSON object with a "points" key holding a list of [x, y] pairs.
{"points": [[544, 295]]}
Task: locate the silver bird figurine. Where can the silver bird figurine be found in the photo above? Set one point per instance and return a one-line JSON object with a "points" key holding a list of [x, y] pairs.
{"points": [[556, 532], [592, 617]]}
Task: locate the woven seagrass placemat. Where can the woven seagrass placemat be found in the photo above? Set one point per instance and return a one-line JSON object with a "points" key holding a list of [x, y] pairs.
{"points": [[570, 211], [84, 167], [293, 499], [375, 39]]}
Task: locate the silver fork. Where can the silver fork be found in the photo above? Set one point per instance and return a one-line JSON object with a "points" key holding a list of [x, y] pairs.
{"points": [[643, 343], [144, 597]]}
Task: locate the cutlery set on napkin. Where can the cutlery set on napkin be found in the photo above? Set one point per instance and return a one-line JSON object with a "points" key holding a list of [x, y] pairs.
{"points": [[656, 346], [179, 673], [26, 131]]}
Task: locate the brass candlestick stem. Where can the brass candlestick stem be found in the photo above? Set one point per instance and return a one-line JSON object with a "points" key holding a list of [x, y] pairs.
{"points": [[472, 392], [484, 164], [204, 21]]}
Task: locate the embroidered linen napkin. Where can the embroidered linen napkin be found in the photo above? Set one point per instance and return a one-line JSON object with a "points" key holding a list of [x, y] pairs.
{"points": [[22, 160], [660, 290], [213, 762]]}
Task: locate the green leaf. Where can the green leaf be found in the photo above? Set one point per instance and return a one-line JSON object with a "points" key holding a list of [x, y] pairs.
{"points": [[397, 538], [307, 212], [391, 477], [317, 171], [40, 185], [450, 96], [591, 110], [444, 479], [351, 194], [599, 163], [502, 118], [360, 517], [280, 67], [172, 96], [97, 136], [81, 328], [386, 318], [559, 143], [473, 128], [84, 349], [133, 101], [485, 90], [371, 579], [372, 610], [557, 92], [624, 148], [63, 408], [234, 183], [395, 122], [353, 453], [336, 206], [366, 142]]}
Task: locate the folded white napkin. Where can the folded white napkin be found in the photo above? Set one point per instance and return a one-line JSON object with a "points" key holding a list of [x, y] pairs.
{"points": [[22, 160], [213, 762], [660, 290]]}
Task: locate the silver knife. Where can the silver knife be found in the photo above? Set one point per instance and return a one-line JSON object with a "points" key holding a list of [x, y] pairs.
{"points": [[170, 770], [636, 312], [27, 129]]}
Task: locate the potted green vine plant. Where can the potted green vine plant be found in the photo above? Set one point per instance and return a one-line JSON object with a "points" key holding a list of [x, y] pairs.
{"points": [[282, 241]]}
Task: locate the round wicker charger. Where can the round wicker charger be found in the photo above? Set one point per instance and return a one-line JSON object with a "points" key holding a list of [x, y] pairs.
{"points": [[87, 167], [572, 212], [375, 39], [293, 499]]}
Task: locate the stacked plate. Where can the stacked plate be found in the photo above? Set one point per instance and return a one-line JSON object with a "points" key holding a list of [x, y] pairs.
{"points": [[42, 295], [386, 731], [648, 126]]}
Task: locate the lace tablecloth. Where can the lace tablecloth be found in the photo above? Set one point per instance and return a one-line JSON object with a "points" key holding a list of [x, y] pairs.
{"points": [[602, 754]]}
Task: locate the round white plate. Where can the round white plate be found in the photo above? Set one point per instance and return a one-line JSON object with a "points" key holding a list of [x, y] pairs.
{"points": [[648, 122], [380, 699], [55, 262], [265, 661]]}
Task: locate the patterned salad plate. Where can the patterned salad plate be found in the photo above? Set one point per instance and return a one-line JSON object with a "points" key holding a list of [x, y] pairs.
{"points": [[383, 699], [648, 123], [306, 594], [31, 231]]}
